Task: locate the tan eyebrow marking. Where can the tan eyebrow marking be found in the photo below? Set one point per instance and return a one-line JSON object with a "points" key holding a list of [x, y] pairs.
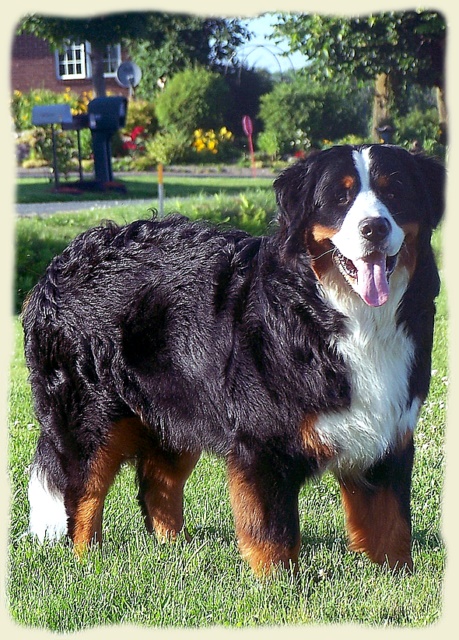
{"points": [[348, 182], [382, 181]]}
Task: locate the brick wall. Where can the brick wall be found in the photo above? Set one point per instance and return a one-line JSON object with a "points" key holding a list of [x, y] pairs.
{"points": [[33, 67]]}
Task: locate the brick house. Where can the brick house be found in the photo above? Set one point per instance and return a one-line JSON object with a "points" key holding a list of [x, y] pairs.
{"points": [[34, 65]]}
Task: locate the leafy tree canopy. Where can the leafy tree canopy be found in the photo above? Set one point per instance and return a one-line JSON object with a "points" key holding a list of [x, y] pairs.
{"points": [[188, 41], [161, 43], [193, 38], [410, 44], [101, 30]]}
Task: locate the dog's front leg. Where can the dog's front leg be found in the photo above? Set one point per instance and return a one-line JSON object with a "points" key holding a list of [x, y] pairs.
{"points": [[377, 508], [264, 499]]}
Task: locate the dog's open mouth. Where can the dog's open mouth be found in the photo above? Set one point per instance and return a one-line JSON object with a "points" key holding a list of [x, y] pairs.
{"points": [[368, 276]]}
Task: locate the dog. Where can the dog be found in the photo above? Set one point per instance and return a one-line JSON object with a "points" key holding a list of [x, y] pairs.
{"points": [[303, 351]]}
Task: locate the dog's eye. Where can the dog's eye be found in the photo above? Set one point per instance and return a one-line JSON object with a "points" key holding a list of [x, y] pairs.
{"points": [[344, 197]]}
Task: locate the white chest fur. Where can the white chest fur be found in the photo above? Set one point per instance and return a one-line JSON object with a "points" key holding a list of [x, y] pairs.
{"points": [[379, 355]]}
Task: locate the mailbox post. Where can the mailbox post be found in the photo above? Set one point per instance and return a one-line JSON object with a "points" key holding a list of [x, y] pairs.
{"points": [[106, 116]]}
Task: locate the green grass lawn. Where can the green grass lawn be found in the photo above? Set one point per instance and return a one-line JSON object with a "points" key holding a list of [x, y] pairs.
{"points": [[136, 580], [32, 190]]}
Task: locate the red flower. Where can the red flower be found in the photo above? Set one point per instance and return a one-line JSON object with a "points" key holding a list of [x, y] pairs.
{"points": [[136, 132], [129, 145]]}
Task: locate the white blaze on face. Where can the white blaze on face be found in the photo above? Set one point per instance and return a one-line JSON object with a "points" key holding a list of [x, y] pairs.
{"points": [[371, 282]]}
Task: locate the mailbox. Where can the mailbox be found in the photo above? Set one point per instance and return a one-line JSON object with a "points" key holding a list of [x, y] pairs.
{"points": [[105, 116]]}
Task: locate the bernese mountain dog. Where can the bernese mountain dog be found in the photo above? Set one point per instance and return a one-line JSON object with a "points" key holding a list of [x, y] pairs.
{"points": [[303, 351]]}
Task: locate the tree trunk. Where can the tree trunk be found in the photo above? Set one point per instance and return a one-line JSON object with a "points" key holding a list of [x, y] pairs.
{"points": [[442, 115], [381, 109], [98, 79]]}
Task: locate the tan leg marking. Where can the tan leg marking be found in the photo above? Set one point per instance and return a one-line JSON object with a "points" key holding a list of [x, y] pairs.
{"points": [[121, 445], [376, 526], [251, 521], [163, 497]]}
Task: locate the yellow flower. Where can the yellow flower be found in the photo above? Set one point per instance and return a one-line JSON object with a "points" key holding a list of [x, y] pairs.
{"points": [[199, 145]]}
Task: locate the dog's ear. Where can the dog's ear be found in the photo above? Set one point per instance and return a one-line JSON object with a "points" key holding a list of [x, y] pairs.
{"points": [[291, 187], [294, 189], [433, 177]]}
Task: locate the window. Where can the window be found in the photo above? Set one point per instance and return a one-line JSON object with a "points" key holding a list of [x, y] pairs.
{"points": [[75, 61], [112, 59]]}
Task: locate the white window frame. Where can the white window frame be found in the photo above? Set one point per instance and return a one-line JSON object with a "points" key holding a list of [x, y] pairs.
{"points": [[63, 59], [113, 53]]}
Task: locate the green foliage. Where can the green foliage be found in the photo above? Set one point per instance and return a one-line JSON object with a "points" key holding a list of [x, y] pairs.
{"points": [[189, 40], [193, 98], [268, 143], [410, 44], [23, 103], [304, 113], [100, 30], [39, 141], [141, 113], [421, 126], [34, 144], [166, 147]]}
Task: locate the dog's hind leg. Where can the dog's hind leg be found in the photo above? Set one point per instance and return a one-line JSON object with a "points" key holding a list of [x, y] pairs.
{"points": [[85, 495], [161, 477]]}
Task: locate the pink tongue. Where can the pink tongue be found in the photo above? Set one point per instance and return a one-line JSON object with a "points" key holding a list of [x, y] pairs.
{"points": [[372, 284]]}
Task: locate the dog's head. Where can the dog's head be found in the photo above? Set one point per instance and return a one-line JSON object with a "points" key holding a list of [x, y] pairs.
{"points": [[360, 212]]}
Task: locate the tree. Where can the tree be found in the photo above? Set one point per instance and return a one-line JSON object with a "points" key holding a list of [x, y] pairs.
{"points": [[198, 39], [399, 47], [189, 40]]}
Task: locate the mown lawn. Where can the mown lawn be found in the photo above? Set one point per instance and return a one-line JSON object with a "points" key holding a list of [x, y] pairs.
{"points": [[136, 580], [32, 190]]}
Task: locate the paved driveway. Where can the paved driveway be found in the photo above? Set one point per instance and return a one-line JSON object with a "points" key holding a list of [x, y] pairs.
{"points": [[47, 208]]}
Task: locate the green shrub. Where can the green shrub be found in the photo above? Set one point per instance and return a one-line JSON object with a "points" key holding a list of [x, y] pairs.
{"points": [[34, 144], [165, 147], [268, 143], [304, 113], [38, 143], [421, 126], [193, 99], [141, 113]]}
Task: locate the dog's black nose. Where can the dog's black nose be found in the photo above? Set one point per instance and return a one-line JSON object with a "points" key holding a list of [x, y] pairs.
{"points": [[375, 229]]}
